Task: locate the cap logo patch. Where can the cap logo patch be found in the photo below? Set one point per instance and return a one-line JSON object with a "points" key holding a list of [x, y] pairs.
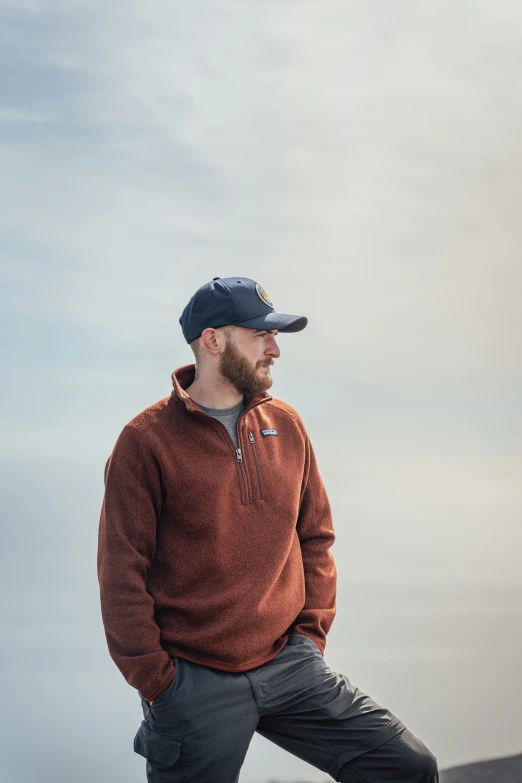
{"points": [[269, 431], [263, 295]]}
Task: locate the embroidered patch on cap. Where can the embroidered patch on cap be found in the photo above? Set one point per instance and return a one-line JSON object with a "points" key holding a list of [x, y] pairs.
{"points": [[263, 295], [270, 431]]}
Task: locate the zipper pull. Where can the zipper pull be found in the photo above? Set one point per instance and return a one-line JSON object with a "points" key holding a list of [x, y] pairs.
{"points": [[239, 455], [250, 437]]}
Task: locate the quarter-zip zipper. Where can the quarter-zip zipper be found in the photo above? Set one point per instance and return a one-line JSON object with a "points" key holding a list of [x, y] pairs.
{"points": [[254, 451], [238, 452], [239, 457]]}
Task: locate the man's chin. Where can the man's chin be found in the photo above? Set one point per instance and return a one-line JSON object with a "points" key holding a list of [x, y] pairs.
{"points": [[258, 389], [265, 386]]}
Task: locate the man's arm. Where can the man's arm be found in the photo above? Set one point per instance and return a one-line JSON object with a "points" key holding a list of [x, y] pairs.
{"points": [[126, 549], [316, 535]]}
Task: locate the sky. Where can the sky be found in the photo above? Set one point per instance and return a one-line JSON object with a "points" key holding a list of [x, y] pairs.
{"points": [[361, 161]]}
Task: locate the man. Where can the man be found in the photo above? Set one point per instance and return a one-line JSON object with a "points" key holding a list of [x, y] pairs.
{"points": [[217, 582]]}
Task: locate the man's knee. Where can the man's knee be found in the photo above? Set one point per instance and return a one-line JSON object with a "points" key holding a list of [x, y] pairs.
{"points": [[417, 761], [402, 758]]}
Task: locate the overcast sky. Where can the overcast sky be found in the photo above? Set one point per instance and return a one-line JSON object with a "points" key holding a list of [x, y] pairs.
{"points": [[361, 161]]}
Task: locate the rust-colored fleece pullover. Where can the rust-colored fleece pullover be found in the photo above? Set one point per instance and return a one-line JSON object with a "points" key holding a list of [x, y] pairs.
{"points": [[208, 553]]}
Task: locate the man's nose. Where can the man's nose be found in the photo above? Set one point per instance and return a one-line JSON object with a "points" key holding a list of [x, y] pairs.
{"points": [[273, 350]]}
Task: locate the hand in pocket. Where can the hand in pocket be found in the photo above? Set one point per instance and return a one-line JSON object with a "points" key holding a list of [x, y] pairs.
{"points": [[166, 691], [159, 696]]}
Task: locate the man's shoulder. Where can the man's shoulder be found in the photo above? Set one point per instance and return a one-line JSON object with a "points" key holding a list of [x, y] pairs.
{"points": [[149, 419], [291, 412]]}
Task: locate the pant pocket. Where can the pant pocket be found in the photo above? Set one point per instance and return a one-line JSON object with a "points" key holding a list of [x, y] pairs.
{"points": [[166, 692], [161, 748], [301, 637], [316, 646]]}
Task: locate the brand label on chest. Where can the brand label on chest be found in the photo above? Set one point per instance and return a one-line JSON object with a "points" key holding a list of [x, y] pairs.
{"points": [[270, 431]]}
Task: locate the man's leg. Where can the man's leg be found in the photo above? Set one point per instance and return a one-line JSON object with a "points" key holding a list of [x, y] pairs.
{"points": [[199, 729], [319, 716]]}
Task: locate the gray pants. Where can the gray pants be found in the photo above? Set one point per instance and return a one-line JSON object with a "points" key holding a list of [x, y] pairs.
{"points": [[199, 728]]}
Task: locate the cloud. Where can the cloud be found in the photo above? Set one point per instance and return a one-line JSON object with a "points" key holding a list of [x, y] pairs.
{"points": [[21, 117], [186, 150]]}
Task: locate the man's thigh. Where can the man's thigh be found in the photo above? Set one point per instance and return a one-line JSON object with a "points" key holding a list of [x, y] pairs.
{"points": [[199, 729], [316, 713]]}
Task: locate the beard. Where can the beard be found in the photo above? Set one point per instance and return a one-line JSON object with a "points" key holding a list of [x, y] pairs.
{"points": [[239, 371]]}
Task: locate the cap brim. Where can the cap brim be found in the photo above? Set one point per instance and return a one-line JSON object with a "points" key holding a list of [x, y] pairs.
{"points": [[283, 322]]}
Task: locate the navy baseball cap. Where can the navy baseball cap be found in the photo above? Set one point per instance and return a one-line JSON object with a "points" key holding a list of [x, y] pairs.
{"points": [[238, 301]]}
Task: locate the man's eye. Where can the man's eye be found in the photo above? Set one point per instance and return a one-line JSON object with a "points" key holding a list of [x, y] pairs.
{"points": [[261, 335]]}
